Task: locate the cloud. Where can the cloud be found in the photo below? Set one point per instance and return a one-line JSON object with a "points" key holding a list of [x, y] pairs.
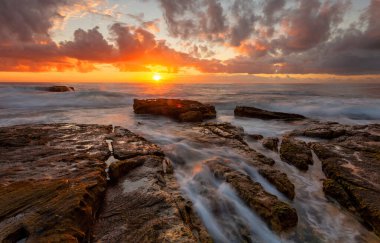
{"points": [[188, 18], [274, 36], [310, 24], [88, 45]]}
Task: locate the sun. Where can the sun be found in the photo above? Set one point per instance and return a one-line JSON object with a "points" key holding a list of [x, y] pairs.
{"points": [[157, 77]]}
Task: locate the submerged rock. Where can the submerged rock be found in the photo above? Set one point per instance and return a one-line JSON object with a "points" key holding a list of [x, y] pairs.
{"points": [[59, 88], [54, 187], [271, 143], [296, 152], [255, 136], [351, 163], [279, 215], [181, 110], [253, 112]]}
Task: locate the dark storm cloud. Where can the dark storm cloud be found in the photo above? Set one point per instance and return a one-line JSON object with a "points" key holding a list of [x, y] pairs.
{"points": [[88, 45], [25, 20]]}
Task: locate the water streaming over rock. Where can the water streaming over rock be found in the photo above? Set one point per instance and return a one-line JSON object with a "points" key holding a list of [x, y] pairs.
{"points": [[226, 217]]}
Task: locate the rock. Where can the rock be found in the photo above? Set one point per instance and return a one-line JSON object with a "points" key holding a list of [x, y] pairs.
{"points": [[191, 116], [143, 205], [54, 187], [59, 88], [230, 138], [122, 167], [352, 165], [255, 136], [335, 191], [279, 215], [328, 130], [128, 145], [254, 112], [181, 110], [142, 208], [271, 143], [190, 218], [296, 152], [280, 181], [225, 134], [52, 181]]}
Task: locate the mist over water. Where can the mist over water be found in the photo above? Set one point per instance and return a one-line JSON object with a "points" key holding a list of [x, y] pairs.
{"points": [[225, 216]]}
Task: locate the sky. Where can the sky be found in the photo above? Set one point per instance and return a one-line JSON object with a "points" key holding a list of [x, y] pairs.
{"points": [[192, 40]]}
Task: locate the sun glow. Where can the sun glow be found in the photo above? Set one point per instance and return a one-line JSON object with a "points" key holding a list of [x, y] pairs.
{"points": [[157, 77]]}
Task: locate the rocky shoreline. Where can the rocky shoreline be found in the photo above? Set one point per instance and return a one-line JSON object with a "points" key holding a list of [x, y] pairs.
{"points": [[58, 183]]}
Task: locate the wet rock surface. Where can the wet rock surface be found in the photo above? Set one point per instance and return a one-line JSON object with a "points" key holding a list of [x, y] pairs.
{"points": [[225, 134], [52, 180], [54, 187], [271, 143], [180, 110], [280, 181], [279, 215], [296, 152], [253, 112], [351, 162], [145, 204]]}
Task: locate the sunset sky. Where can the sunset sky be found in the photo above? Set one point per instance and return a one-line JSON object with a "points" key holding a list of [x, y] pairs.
{"points": [[132, 40]]}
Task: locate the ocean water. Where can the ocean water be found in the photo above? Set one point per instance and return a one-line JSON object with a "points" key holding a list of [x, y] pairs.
{"points": [[319, 219]]}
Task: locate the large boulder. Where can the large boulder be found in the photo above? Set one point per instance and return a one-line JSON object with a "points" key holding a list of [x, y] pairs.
{"points": [[296, 152], [253, 112], [181, 110]]}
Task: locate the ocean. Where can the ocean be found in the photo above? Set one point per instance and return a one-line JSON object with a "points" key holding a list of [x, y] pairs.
{"points": [[107, 103]]}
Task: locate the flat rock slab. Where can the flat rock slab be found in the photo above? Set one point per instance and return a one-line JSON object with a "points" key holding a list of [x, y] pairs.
{"points": [[144, 206], [181, 110], [52, 180], [253, 112], [54, 187]]}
